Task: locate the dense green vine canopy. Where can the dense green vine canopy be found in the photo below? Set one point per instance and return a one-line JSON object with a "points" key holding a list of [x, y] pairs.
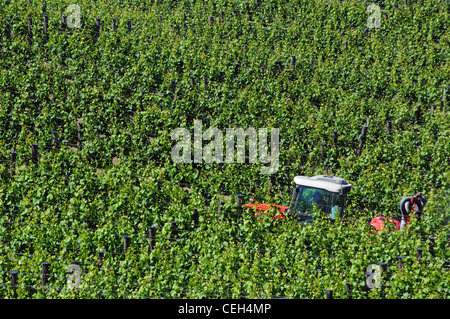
{"points": [[101, 105]]}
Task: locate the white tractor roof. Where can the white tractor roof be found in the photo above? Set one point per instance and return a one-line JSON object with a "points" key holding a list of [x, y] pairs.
{"points": [[330, 183]]}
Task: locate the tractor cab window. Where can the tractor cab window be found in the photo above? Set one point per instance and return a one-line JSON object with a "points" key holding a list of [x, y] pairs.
{"points": [[336, 204], [305, 198]]}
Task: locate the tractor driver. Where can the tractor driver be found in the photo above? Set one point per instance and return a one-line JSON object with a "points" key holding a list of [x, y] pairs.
{"points": [[320, 201]]}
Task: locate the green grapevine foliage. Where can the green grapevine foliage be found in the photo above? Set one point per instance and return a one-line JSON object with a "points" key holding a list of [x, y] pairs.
{"points": [[114, 94]]}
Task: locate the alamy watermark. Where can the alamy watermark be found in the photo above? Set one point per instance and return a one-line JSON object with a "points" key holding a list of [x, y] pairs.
{"points": [[74, 19], [213, 152], [73, 281], [374, 20]]}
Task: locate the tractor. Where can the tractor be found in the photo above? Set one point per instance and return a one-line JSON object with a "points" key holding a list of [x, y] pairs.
{"points": [[328, 194]]}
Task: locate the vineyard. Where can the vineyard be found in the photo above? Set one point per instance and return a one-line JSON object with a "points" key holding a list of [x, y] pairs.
{"points": [[92, 204]]}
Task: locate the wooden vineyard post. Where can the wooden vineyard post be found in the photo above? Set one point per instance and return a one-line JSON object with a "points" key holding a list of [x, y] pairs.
{"points": [[55, 141], [279, 65], [205, 81], [46, 28], [97, 29], [287, 178], [118, 107], [100, 257], [114, 24], [64, 23], [126, 244], [433, 107], [34, 153], [401, 263], [236, 69], [303, 160], [174, 232], [389, 127], [335, 137], [30, 34], [272, 184], [195, 218], [8, 31], [348, 290], [419, 254], [152, 234], [239, 200], [141, 97], [383, 272], [293, 61], [418, 114], [45, 276], [253, 193], [431, 245], [129, 25], [173, 86], [12, 168], [80, 135], [362, 140], [444, 98], [14, 280], [220, 211], [329, 294]]}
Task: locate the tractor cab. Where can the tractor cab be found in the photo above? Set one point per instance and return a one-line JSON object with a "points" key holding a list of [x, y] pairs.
{"points": [[328, 193]]}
